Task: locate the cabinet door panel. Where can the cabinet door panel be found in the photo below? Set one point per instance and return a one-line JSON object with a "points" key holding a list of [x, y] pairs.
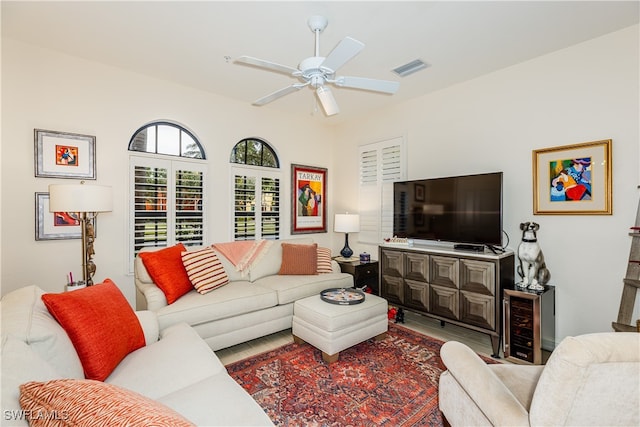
{"points": [[443, 301], [477, 309], [391, 263], [417, 267], [416, 295], [445, 271], [392, 289], [478, 276]]}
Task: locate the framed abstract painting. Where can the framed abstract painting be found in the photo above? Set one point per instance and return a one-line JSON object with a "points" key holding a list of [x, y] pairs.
{"points": [[64, 155], [573, 179]]}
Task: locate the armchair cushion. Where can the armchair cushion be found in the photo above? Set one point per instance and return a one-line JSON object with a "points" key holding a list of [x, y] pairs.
{"points": [[597, 376], [482, 385]]}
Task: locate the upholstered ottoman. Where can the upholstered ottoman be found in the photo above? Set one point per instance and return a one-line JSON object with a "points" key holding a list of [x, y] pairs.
{"points": [[332, 328]]}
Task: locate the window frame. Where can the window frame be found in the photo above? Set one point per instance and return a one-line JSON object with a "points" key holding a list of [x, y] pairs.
{"points": [[172, 163], [170, 124], [259, 172]]}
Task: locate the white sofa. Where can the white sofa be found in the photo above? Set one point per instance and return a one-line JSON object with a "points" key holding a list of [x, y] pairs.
{"points": [[255, 303], [589, 380], [175, 368]]}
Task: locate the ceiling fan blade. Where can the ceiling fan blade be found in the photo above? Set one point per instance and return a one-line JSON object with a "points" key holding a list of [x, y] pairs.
{"points": [[386, 86], [342, 53], [278, 94], [329, 104], [267, 65]]}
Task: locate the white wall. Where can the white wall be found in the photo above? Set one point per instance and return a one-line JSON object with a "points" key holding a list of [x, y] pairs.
{"points": [[44, 89], [584, 93]]}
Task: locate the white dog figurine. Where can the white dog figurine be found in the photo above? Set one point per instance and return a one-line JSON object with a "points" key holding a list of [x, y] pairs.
{"points": [[532, 268]]}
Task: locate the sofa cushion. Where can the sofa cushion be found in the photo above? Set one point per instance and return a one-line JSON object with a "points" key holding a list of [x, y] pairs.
{"points": [[167, 271], [204, 269], [149, 324], [101, 325], [231, 300], [269, 262], [292, 288], [232, 405], [324, 261], [589, 371], [20, 364], [178, 359], [299, 259], [25, 317], [93, 403], [229, 268]]}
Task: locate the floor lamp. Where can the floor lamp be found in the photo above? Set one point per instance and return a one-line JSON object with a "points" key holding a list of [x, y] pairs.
{"points": [[346, 223], [87, 201]]}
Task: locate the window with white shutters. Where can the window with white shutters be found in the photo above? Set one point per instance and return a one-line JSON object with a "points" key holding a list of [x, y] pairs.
{"points": [[381, 164], [166, 193], [256, 189]]}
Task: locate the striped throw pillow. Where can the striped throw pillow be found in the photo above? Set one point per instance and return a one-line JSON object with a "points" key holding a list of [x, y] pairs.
{"points": [[204, 270], [90, 403], [324, 261]]}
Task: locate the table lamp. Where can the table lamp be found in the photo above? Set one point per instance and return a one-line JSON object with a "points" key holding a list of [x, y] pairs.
{"points": [[87, 201], [346, 223]]}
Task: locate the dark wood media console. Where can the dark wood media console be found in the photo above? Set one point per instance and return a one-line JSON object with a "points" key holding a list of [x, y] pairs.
{"points": [[463, 288]]}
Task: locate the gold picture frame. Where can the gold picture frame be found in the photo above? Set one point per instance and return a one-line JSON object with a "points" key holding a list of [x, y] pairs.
{"points": [[573, 179]]}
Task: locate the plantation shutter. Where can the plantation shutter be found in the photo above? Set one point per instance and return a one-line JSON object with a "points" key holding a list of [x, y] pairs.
{"points": [[381, 164], [256, 213], [167, 204]]}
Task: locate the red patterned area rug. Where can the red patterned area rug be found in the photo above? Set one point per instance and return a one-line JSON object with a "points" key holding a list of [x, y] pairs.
{"points": [[392, 382]]}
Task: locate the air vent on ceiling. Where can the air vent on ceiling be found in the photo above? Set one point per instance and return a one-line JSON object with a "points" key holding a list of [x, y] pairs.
{"points": [[410, 67]]}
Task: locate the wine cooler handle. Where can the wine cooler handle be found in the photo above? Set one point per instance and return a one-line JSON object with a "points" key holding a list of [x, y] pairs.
{"points": [[505, 345]]}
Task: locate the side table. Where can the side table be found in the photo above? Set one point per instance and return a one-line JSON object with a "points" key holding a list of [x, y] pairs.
{"points": [[365, 274]]}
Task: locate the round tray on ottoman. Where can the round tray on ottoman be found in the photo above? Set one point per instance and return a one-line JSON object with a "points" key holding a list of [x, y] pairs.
{"points": [[342, 296]]}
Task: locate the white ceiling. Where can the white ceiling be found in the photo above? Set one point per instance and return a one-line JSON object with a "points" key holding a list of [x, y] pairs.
{"points": [[191, 42]]}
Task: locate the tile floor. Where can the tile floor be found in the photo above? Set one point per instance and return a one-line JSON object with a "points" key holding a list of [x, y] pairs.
{"points": [[479, 342]]}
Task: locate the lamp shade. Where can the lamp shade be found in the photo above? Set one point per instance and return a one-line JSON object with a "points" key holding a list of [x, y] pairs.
{"points": [[80, 198], [347, 223]]}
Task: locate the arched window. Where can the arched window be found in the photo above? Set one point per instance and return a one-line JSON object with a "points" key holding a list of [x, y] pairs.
{"points": [[166, 138], [167, 185], [255, 152], [256, 189]]}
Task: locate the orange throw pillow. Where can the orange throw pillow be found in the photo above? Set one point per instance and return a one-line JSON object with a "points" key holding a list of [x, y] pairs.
{"points": [[101, 325], [88, 403], [167, 271], [299, 259]]}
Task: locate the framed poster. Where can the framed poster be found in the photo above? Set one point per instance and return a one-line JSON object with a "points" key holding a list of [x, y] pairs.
{"points": [[309, 199], [64, 155], [573, 179]]}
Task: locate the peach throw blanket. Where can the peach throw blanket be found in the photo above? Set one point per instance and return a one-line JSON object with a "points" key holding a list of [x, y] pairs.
{"points": [[243, 254]]}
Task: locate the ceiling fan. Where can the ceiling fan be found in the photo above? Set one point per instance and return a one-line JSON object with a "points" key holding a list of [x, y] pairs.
{"points": [[317, 71]]}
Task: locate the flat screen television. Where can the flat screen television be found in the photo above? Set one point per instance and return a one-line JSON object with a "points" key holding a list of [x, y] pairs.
{"points": [[460, 209]]}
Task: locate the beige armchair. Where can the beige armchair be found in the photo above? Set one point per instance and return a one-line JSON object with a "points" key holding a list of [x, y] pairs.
{"points": [[589, 380]]}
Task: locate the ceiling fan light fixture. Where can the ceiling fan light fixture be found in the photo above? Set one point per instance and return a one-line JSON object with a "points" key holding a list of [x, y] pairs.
{"points": [[327, 100]]}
